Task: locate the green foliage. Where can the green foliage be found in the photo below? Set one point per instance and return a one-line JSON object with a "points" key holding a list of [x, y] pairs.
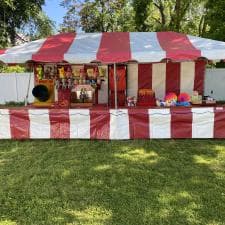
{"points": [[215, 19], [98, 15], [157, 182], [15, 14], [39, 27], [13, 69], [174, 15]]}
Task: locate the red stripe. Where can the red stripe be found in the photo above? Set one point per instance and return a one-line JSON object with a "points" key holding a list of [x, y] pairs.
{"points": [[54, 48], [219, 122], [177, 46], [173, 77], [60, 123], [19, 123], [144, 76], [2, 51], [199, 76], [100, 120], [138, 123], [114, 47], [181, 123]]}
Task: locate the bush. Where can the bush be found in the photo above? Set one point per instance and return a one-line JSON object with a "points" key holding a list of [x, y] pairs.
{"points": [[13, 69]]}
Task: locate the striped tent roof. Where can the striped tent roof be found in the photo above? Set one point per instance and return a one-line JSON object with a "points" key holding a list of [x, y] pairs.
{"points": [[115, 47]]}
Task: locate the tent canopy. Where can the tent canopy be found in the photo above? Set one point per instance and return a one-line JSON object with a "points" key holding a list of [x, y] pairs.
{"points": [[115, 47]]}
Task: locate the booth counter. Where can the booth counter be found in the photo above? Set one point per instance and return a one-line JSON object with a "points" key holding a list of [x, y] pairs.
{"points": [[110, 124]]}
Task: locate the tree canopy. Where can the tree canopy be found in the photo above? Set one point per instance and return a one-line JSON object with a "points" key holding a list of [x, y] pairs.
{"points": [[198, 17], [15, 14], [98, 15]]}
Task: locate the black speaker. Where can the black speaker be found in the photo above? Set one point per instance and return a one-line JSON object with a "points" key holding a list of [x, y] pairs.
{"points": [[41, 93]]}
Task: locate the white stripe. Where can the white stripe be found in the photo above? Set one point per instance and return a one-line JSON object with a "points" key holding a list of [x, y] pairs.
{"points": [[80, 123], [39, 123], [145, 47], [210, 49], [84, 48], [202, 122], [160, 120], [132, 79], [21, 53], [5, 132], [119, 124], [159, 79], [187, 77]]}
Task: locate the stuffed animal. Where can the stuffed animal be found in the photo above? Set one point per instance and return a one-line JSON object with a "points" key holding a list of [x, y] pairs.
{"points": [[40, 72], [61, 72], [184, 99], [171, 99]]}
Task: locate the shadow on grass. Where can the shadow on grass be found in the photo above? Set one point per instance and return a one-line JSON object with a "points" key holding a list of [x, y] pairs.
{"points": [[118, 182]]}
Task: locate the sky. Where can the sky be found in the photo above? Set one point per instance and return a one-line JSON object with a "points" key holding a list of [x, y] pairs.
{"points": [[54, 11]]}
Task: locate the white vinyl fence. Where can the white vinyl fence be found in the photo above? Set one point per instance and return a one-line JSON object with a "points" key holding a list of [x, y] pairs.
{"points": [[14, 86], [215, 83]]}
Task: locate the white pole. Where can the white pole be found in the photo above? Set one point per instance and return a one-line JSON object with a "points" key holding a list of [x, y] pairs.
{"points": [[115, 86], [28, 89]]}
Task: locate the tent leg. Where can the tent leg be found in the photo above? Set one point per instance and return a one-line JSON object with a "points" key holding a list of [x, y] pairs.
{"points": [[115, 86], [28, 89]]}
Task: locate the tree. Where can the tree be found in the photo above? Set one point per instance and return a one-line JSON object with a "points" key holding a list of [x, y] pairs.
{"points": [[215, 19], [98, 15], [141, 9], [174, 15], [38, 27], [14, 14]]}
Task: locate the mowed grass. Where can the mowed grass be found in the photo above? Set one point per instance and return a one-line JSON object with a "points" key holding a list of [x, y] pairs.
{"points": [[112, 183]]}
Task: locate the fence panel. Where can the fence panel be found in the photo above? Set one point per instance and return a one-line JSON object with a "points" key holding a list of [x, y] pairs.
{"points": [[14, 86]]}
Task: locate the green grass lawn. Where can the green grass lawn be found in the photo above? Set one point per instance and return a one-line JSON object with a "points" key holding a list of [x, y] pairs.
{"points": [[112, 183]]}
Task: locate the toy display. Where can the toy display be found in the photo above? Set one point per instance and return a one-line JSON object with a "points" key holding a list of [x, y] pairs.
{"points": [[146, 97], [102, 71], [49, 70], [82, 94], [171, 99], [131, 101], [40, 72], [183, 99], [196, 99], [61, 72]]}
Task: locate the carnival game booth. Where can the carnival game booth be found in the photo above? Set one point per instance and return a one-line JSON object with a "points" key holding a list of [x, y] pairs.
{"points": [[116, 85]]}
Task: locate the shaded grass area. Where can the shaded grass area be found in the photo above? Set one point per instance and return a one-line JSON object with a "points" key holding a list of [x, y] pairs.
{"points": [[112, 183]]}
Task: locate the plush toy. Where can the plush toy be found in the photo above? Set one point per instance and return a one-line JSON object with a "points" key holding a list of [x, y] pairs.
{"points": [[61, 72], [171, 99], [131, 101], [40, 72], [160, 103], [184, 99]]}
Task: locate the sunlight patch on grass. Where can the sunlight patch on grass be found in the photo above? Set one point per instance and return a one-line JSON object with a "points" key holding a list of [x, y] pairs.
{"points": [[102, 167], [92, 215], [139, 155], [220, 148], [66, 173], [7, 222], [202, 159], [184, 194]]}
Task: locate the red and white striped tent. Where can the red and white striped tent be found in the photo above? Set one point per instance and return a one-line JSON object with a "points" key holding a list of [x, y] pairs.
{"points": [[115, 47], [146, 48]]}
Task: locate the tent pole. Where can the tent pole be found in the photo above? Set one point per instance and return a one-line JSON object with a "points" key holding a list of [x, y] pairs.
{"points": [[28, 89], [115, 86]]}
